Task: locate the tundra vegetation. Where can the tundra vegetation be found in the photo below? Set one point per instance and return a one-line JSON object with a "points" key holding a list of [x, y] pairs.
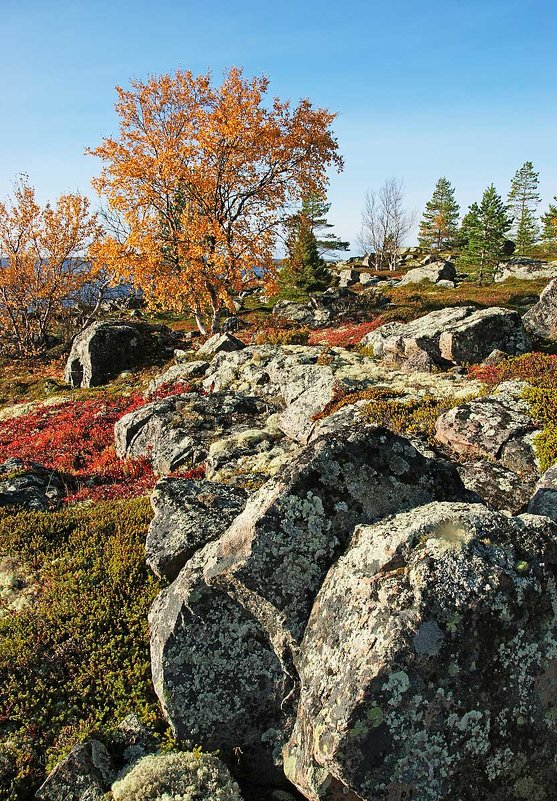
{"points": [[204, 183]]}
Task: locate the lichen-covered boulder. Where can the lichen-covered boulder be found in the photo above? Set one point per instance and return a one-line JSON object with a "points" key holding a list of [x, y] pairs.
{"points": [[219, 343], [452, 336], [433, 273], [525, 269], [84, 775], [182, 372], [225, 634], [499, 487], [541, 320], [178, 430], [30, 485], [188, 515], [497, 426], [544, 498], [428, 665], [105, 349]]}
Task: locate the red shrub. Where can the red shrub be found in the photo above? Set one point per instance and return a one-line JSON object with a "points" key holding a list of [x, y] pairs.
{"points": [[344, 336], [77, 439], [539, 369]]}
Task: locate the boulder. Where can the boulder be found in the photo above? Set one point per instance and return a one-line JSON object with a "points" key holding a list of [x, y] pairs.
{"points": [[219, 343], [526, 269], [188, 515], [332, 306], [178, 430], [433, 272], [497, 427], [544, 498], [500, 488], [84, 775], [300, 313], [446, 337], [225, 635], [348, 278], [183, 372], [428, 664], [541, 320], [30, 485], [105, 349]]}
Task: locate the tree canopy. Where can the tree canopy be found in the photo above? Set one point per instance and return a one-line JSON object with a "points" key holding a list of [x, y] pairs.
{"points": [[202, 176], [485, 226], [439, 224], [523, 201]]}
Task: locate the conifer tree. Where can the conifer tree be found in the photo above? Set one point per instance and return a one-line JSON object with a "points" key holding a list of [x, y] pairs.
{"points": [[523, 201], [315, 209], [549, 222], [439, 225], [304, 270], [485, 226]]}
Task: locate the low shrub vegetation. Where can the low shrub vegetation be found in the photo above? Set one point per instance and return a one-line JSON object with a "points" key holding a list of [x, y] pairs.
{"points": [[539, 371], [76, 657]]}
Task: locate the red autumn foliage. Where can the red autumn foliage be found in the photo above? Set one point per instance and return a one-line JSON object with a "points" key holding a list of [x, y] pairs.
{"points": [[343, 336], [76, 438], [539, 369]]}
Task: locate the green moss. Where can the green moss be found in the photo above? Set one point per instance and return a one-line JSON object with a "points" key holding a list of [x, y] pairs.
{"points": [[77, 658]]}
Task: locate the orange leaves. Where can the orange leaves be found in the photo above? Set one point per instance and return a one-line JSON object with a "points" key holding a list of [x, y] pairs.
{"points": [[47, 262], [202, 176]]}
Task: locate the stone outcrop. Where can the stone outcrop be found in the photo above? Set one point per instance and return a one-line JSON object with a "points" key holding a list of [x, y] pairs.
{"points": [[525, 269], [105, 349], [544, 498], [188, 515], [30, 485], [427, 667], [497, 427], [331, 306], [178, 430], [433, 273], [182, 373], [225, 635], [452, 336], [219, 343], [500, 488], [84, 775], [541, 320]]}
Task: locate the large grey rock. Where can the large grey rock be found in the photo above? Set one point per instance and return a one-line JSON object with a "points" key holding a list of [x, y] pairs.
{"points": [[178, 430], [459, 335], [497, 426], [526, 269], [188, 515], [348, 278], [180, 373], [225, 634], [332, 306], [433, 273], [30, 485], [500, 488], [105, 349], [84, 775], [428, 664], [541, 320], [219, 343], [544, 498]]}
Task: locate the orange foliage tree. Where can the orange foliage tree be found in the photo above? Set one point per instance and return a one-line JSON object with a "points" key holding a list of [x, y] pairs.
{"points": [[45, 263], [202, 176]]}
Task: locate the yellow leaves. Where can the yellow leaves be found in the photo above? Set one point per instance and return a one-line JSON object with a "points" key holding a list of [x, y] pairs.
{"points": [[202, 176]]}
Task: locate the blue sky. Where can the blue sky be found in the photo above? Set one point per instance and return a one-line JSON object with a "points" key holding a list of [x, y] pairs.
{"points": [[462, 88]]}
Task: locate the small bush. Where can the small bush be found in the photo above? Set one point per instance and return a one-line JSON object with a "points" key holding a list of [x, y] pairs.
{"points": [[282, 336], [178, 776], [78, 657]]}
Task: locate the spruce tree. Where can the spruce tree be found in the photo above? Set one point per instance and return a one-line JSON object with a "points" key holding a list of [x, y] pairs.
{"points": [[485, 227], [439, 225], [523, 201], [549, 222], [315, 209], [304, 270]]}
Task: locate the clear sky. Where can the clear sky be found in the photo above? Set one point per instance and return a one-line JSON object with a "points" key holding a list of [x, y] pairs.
{"points": [[423, 88]]}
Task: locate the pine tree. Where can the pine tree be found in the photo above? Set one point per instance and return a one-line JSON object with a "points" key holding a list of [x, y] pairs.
{"points": [[523, 201], [485, 226], [439, 225], [549, 221], [304, 270], [315, 209]]}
